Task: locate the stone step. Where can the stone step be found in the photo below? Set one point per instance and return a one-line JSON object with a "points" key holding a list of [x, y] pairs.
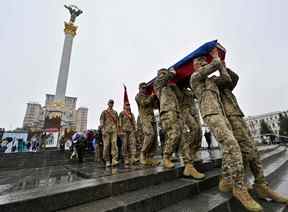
{"points": [[155, 197], [268, 148], [279, 182], [79, 192], [24, 160], [213, 200], [14, 161], [272, 155]]}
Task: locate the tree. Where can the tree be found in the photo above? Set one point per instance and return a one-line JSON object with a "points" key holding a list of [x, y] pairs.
{"points": [[283, 125], [264, 128]]}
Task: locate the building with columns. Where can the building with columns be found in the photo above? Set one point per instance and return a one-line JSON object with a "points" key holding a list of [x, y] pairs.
{"points": [[74, 118], [272, 120]]}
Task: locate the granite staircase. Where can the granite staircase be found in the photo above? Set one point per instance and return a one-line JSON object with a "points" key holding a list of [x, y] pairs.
{"points": [[148, 189]]}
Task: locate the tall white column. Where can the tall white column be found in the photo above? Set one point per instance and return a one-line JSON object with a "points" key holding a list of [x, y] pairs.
{"points": [[70, 32]]}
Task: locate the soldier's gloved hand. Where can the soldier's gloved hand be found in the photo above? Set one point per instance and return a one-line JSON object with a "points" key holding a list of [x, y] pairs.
{"points": [[214, 53], [172, 70]]}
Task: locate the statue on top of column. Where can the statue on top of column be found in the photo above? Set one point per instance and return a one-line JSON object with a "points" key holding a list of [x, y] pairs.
{"points": [[74, 12]]}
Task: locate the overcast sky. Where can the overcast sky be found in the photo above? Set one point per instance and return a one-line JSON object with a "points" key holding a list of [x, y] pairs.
{"points": [[127, 41]]}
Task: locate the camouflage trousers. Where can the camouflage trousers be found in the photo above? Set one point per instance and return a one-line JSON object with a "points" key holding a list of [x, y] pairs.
{"points": [[232, 163], [139, 142], [110, 140], [250, 154], [191, 137], [129, 144], [171, 123], [150, 134]]}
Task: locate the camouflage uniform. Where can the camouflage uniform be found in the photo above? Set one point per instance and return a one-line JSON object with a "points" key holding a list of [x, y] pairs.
{"points": [[127, 125], [146, 106], [139, 136], [191, 133], [250, 154], [169, 110], [211, 109], [109, 128]]}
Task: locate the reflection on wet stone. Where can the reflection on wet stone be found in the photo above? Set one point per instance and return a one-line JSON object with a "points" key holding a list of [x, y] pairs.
{"points": [[14, 181]]}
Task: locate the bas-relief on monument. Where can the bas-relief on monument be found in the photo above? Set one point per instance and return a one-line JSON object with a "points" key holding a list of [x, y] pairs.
{"points": [[59, 114]]}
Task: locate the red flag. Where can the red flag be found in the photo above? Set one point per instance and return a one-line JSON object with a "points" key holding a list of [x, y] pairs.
{"points": [[126, 100]]}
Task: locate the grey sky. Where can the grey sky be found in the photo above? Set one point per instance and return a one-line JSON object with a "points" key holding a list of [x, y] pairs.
{"points": [[127, 41]]}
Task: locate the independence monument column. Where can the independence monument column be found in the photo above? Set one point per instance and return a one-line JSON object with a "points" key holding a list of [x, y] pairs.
{"points": [[70, 32]]}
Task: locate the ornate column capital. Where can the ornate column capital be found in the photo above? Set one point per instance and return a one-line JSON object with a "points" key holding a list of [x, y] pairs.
{"points": [[70, 28]]}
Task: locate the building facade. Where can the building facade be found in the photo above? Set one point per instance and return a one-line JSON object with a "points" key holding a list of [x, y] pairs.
{"points": [[81, 119], [34, 116], [72, 117], [271, 119]]}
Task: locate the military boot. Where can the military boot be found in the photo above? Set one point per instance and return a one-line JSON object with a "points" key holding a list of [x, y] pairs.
{"points": [[167, 163], [154, 162], [227, 185], [190, 171], [246, 200], [114, 162], [133, 160], [143, 160], [126, 162], [265, 192]]}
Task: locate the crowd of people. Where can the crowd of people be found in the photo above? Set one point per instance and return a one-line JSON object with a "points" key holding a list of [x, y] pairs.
{"points": [[180, 126], [12, 145]]}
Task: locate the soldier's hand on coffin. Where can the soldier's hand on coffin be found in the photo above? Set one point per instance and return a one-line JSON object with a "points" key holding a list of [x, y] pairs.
{"points": [[214, 53]]}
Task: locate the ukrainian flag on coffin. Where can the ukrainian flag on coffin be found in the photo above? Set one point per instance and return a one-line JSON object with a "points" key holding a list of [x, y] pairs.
{"points": [[184, 68]]}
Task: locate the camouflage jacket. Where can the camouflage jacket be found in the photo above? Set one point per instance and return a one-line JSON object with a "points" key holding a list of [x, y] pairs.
{"points": [[146, 106], [229, 101], [166, 93], [187, 103], [139, 126], [109, 121], [127, 122], [206, 89]]}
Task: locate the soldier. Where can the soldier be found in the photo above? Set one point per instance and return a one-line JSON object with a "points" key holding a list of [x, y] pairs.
{"points": [[127, 126], [139, 137], [169, 112], [249, 151], [146, 104], [109, 129], [191, 133], [99, 145], [211, 109]]}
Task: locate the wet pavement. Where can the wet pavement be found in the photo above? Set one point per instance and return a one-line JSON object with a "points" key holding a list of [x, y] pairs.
{"points": [[66, 185], [31, 178]]}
